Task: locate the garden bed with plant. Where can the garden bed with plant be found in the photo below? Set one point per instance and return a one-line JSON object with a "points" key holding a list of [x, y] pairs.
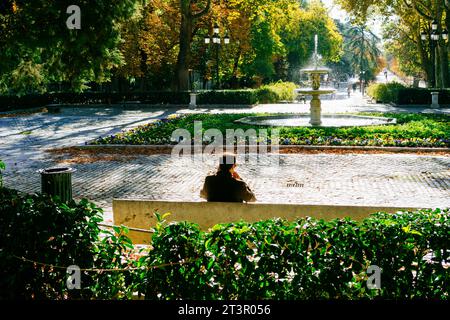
{"points": [[274, 259], [411, 130]]}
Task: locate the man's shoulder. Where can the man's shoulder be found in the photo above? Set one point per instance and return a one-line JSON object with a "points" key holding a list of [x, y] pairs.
{"points": [[240, 183], [211, 177]]}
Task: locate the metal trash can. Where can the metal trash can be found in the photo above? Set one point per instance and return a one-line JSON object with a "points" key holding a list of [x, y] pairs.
{"points": [[57, 182]]}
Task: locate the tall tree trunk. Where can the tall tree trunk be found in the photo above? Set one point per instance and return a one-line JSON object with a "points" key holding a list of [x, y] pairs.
{"points": [[188, 19], [426, 63], [184, 55], [234, 81]]}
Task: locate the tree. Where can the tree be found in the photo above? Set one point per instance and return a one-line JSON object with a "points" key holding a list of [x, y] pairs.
{"points": [[415, 15], [150, 45], [298, 37], [34, 34], [190, 14], [363, 44]]}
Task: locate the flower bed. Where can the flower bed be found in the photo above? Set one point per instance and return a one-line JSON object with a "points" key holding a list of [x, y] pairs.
{"points": [[411, 130]]}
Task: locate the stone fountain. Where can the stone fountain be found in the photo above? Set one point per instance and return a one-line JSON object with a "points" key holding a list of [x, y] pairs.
{"points": [[315, 75], [315, 118]]}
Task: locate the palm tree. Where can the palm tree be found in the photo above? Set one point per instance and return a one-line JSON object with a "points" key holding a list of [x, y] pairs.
{"points": [[362, 43]]}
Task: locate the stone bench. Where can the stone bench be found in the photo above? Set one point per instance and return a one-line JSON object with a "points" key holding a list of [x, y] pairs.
{"points": [[139, 214]]}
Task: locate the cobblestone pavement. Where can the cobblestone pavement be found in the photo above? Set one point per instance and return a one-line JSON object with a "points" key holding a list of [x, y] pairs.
{"points": [[350, 179], [406, 180]]}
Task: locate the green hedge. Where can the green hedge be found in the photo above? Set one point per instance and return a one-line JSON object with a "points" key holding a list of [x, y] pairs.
{"points": [[236, 97], [273, 259], [399, 94], [306, 259], [267, 94], [32, 101], [41, 229], [421, 96]]}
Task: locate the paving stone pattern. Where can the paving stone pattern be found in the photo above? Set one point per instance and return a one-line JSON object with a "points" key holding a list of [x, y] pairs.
{"points": [[397, 180], [379, 180]]}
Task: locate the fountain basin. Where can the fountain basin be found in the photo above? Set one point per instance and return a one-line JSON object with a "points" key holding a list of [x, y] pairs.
{"points": [[328, 120], [311, 91]]}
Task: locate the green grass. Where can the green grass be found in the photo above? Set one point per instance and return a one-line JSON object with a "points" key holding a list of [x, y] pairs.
{"points": [[411, 130]]}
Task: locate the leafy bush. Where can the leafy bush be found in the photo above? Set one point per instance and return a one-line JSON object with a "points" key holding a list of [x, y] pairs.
{"points": [[276, 92], [385, 92], [41, 229], [306, 259]]}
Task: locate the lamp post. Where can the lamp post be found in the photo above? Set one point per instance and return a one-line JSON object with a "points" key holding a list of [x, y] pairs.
{"points": [[217, 41], [434, 38], [362, 81]]}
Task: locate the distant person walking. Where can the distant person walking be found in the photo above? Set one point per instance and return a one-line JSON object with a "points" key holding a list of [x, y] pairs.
{"points": [[385, 74], [226, 185]]}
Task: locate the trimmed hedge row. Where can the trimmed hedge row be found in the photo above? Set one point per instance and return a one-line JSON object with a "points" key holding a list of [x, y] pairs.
{"points": [[56, 235], [236, 97], [421, 96], [273, 259], [305, 259], [33, 101], [272, 93], [401, 95]]}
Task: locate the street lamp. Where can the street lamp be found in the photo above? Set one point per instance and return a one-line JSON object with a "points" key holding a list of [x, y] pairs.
{"points": [[434, 38], [217, 41], [363, 81]]}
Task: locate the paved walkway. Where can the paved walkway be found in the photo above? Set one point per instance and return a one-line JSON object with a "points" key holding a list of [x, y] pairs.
{"points": [[351, 179], [405, 180]]}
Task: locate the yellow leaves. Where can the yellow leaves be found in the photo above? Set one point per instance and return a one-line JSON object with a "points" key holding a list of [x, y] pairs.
{"points": [[408, 229]]}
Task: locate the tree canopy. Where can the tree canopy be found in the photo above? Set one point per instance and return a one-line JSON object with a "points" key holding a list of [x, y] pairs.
{"points": [[37, 47], [155, 43], [405, 21]]}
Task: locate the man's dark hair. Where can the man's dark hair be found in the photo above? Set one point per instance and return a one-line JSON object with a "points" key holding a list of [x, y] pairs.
{"points": [[227, 161]]}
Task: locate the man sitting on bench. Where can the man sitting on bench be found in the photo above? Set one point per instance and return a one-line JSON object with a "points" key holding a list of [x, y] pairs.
{"points": [[226, 185]]}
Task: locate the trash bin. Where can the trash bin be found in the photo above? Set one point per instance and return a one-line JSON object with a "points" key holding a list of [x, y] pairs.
{"points": [[57, 182]]}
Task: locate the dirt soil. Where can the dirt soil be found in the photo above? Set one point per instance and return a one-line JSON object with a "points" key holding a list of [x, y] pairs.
{"points": [[77, 155]]}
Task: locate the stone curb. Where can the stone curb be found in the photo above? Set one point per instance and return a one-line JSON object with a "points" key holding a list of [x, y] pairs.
{"points": [[281, 147]]}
